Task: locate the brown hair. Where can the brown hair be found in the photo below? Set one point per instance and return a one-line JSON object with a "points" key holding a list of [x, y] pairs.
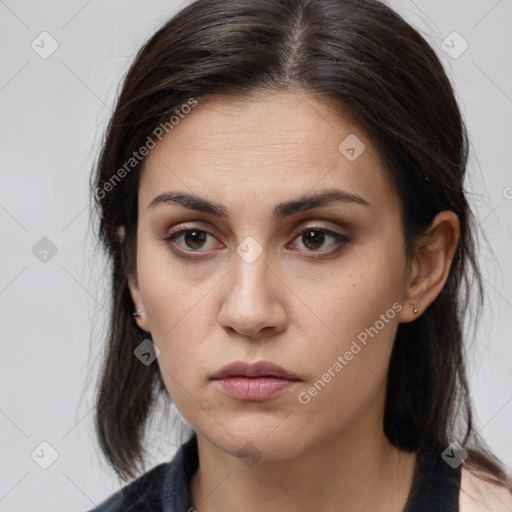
{"points": [[370, 64]]}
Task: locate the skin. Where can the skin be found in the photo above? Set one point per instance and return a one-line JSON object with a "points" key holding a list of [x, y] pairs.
{"points": [[294, 305]]}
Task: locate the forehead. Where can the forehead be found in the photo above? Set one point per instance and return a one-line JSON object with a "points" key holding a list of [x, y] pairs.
{"points": [[282, 144]]}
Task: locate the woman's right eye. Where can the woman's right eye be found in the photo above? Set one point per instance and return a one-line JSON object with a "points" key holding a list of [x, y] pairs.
{"points": [[189, 241]]}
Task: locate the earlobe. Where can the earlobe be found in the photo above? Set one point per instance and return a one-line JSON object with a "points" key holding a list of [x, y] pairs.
{"points": [[433, 259], [138, 309], [133, 286], [410, 310]]}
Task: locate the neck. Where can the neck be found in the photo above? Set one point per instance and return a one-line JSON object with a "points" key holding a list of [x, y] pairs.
{"points": [[356, 470]]}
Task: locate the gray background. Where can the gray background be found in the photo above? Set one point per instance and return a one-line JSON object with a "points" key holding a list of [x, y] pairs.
{"points": [[53, 115]]}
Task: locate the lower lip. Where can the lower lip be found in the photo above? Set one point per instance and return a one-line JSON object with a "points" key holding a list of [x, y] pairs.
{"points": [[254, 389]]}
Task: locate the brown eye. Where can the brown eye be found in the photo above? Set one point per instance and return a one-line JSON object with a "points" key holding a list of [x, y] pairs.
{"points": [[194, 239], [316, 238], [313, 239], [189, 241]]}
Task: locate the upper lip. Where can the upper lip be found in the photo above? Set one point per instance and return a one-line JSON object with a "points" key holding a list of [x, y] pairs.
{"points": [[258, 369]]}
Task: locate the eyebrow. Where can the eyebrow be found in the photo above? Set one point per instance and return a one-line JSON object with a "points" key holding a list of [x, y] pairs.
{"points": [[285, 209]]}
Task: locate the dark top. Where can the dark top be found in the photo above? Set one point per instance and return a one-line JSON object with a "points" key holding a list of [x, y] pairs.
{"points": [[166, 487]]}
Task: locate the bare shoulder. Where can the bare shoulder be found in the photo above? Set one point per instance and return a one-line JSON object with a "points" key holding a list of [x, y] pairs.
{"points": [[479, 495]]}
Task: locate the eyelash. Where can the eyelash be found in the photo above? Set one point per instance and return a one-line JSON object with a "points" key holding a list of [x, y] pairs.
{"points": [[341, 240]]}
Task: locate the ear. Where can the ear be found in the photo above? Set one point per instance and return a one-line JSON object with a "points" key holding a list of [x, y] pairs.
{"points": [[133, 286], [431, 265]]}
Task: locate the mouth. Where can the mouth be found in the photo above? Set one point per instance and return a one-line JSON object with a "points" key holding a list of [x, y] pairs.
{"points": [[254, 370], [256, 382]]}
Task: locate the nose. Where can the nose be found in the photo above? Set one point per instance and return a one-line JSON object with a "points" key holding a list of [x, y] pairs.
{"points": [[253, 304]]}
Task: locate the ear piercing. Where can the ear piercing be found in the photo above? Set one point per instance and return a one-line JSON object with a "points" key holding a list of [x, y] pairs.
{"points": [[415, 309]]}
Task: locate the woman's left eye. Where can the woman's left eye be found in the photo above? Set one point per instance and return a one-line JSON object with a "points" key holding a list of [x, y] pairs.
{"points": [[314, 238]]}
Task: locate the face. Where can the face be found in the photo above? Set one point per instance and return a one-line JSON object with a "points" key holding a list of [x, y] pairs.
{"points": [[315, 287]]}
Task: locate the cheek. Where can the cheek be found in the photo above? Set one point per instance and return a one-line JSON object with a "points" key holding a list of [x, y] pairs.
{"points": [[169, 305], [350, 373], [361, 308], [171, 289], [352, 296]]}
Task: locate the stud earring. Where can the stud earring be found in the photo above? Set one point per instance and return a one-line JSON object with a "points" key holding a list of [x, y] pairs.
{"points": [[415, 309], [138, 312]]}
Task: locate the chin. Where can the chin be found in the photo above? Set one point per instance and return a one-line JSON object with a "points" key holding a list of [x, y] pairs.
{"points": [[267, 439]]}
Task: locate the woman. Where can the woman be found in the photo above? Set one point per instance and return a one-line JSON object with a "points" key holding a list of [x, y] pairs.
{"points": [[280, 192]]}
